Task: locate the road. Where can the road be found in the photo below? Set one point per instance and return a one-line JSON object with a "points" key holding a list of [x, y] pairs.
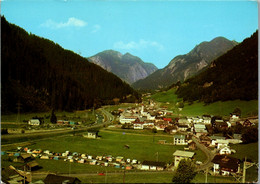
{"points": [[36, 176], [15, 138], [207, 152]]}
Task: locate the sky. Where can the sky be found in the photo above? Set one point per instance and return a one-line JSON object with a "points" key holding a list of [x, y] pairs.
{"points": [[154, 30]]}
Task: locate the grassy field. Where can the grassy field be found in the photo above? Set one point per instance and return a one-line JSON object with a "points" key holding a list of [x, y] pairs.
{"points": [[166, 96], [246, 150], [142, 147], [248, 108]]}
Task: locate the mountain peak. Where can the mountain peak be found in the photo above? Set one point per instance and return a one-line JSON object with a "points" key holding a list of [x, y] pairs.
{"points": [[128, 67], [183, 67]]}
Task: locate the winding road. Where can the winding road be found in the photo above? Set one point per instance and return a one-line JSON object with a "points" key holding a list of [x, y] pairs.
{"points": [[207, 152], [14, 139]]}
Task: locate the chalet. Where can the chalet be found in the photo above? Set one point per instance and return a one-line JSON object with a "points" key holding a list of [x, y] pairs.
{"points": [[171, 129], [179, 155], [151, 165], [183, 121], [199, 129], [179, 140], [225, 165], [158, 119], [92, 135], [225, 150], [34, 122], [206, 119], [205, 140], [52, 178], [149, 124], [161, 125], [247, 123], [197, 120], [182, 128], [220, 124], [235, 139], [221, 143], [215, 138], [138, 125], [234, 117], [127, 118]]}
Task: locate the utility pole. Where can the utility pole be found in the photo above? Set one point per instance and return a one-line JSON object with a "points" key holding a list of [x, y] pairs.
{"points": [[106, 175], [18, 111], [124, 175], [245, 167], [206, 179]]}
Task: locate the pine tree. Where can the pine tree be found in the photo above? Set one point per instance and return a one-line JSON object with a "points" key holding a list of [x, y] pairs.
{"points": [[53, 118]]}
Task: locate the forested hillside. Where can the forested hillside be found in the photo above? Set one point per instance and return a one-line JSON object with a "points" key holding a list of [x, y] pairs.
{"points": [[232, 76], [40, 75]]}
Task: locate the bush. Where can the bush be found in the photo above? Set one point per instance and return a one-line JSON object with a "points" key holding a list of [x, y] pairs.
{"points": [[4, 131]]}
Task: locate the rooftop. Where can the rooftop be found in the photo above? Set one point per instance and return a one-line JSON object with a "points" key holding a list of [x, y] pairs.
{"points": [[183, 153]]}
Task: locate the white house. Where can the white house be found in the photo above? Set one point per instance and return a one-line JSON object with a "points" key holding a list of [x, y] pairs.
{"points": [[138, 125], [206, 120], [225, 151], [214, 139], [179, 155], [200, 129], [127, 118], [179, 140], [221, 143], [35, 122]]}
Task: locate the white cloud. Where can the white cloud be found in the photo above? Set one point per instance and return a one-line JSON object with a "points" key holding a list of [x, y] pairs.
{"points": [[96, 28], [142, 44], [72, 22]]}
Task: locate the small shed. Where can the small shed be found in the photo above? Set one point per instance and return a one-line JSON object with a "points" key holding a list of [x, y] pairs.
{"points": [[32, 166]]}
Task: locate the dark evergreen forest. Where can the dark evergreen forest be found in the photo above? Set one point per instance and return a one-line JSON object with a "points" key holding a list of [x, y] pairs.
{"points": [[40, 75], [233, 75]]}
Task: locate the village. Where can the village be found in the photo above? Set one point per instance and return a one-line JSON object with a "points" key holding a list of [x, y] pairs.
{"points": [[207, 133]]}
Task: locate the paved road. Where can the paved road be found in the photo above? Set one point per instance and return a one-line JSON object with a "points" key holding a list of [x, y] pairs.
{"points": [[111, 173], [14, 138], [208, 153]]}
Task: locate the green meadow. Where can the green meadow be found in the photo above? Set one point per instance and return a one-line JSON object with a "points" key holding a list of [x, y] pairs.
{"points": [[169, 99], [142, 147]]}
